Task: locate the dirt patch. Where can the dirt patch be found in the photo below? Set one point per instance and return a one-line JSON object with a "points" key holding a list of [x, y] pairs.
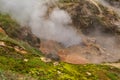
{"points": [[87, 52]]}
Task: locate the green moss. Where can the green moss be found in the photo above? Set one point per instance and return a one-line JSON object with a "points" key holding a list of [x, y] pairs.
{"points": [[112, 76], [10, 75], [9, 25], [31, 64], [25, 46]]}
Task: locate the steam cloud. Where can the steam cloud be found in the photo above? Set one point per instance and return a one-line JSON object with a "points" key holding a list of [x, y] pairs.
{"points": [[46, 23]]}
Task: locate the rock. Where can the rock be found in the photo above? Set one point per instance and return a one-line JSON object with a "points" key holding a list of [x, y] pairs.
{"points": [[44, 59], [88, 73], [26, 35], [53, 56], [56, 63], [115, 3], [88, 16], [2, 43], [2, 31], [25, 60], [117, 65], [20, 50]]}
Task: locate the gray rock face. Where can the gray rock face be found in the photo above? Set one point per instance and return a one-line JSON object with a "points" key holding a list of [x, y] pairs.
{"points": [[27, 36], [53, 56], [115, 3]]}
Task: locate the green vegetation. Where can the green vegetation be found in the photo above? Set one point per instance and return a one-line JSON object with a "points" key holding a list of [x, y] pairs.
{"points": [[31, 65], [9, 25]]}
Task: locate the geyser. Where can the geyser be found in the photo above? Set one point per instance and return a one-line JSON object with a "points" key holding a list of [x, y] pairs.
{"points": [[44, 21]]}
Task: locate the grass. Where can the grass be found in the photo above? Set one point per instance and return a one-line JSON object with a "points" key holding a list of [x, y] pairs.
{"points": [[9, 25], [45, 71], [13, 61], [21, 44]]}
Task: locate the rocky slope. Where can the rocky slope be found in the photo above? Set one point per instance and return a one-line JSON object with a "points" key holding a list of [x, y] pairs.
{"points": [[98, 24], [20, 61], [95, 23], [14, 30]]}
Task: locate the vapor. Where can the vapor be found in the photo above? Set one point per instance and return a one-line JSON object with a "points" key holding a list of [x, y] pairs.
{"points": [[45, 19]]}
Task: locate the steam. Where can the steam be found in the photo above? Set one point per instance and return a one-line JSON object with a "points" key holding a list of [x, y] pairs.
{"points": [[110, 43], [45, 21], [49, 22]]}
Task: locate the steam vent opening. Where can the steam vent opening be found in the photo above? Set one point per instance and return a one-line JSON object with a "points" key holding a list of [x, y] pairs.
{"points": [[77, 32]]}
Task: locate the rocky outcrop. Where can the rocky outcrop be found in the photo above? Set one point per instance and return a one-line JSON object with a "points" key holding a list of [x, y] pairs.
{"points": [[2, 31], [115, 3], [27, 36], [99, 24], [89, 15], [14, 30]]}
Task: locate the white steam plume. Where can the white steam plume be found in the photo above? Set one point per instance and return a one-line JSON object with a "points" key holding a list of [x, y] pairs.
{"points": [[50, 25]]}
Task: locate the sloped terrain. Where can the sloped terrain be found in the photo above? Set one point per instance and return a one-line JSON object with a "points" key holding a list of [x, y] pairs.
{"points": [[15, 31], [21, 59], [98, 26]]}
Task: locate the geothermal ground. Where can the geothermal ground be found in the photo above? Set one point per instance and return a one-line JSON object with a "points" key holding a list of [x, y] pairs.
{"points": [[99, 38], [78, 32], [60, 40]]}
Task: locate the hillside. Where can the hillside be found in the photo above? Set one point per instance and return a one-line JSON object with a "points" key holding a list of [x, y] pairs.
{"points": [[20, 61], [25, 56]]}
